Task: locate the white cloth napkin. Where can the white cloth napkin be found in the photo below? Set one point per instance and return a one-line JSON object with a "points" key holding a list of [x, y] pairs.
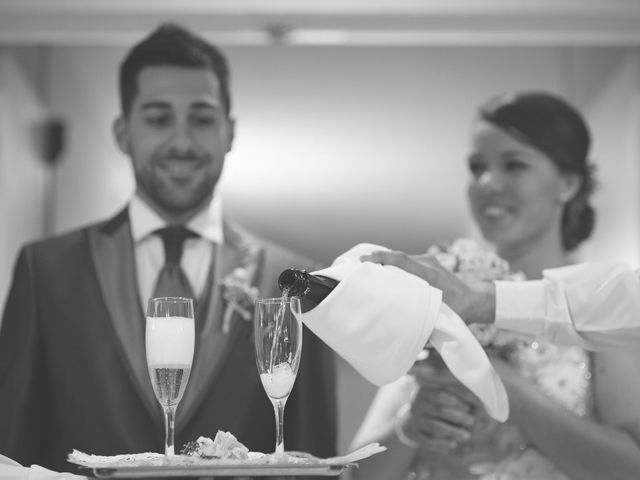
{"points": [[378, 318], [11, 470]]}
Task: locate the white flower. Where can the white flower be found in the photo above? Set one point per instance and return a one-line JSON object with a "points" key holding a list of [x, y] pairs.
{"points": [[223, 446], [240, 296], [474, 263]]}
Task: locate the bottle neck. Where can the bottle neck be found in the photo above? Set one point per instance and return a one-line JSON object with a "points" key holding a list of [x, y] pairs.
{"points": [[293, 282], [311, 289]]}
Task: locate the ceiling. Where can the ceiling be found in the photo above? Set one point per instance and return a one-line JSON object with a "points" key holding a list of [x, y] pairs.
{"points": [[317, 22]]}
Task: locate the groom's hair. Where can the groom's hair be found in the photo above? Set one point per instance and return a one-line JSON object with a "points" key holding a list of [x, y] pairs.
{"points": [[171, 45]]}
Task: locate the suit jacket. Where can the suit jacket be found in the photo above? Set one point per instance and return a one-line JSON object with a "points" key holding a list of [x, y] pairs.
{"points": [[72, 358]]}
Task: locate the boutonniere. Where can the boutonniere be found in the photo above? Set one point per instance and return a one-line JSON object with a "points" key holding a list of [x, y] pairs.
{"points": [[239, 295]]}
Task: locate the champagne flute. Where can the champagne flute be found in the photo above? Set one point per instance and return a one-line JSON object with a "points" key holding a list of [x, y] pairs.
{"points": [[170, 339], [278, 344]]}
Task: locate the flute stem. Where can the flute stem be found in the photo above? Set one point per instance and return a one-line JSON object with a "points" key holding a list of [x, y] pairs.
{"points": [[169, 424], [278, 408]]}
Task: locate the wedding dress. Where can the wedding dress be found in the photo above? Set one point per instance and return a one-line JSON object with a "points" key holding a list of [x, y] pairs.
{"points": [[499, 451]]}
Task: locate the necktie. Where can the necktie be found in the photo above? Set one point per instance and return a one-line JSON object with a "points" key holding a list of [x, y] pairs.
{"points": [[172, 281]]}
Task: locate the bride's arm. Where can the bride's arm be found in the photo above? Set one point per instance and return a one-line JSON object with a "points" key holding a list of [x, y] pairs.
{"points": [[379, 426], [584, 448], [430, 419]]}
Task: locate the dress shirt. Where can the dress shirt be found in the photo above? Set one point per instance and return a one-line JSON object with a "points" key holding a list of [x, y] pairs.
{"points": [[593, 305], [197, 251]]}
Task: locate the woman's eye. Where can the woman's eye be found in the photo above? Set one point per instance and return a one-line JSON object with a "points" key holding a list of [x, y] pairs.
{"points": [[515, 166], [476, 168]]}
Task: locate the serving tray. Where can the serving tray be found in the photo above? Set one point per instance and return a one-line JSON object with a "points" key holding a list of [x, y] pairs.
{"points": [[151, 464], [220, 470]]}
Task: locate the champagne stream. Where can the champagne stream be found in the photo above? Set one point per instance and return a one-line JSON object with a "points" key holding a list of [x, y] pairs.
{"points": [[279, 321]]}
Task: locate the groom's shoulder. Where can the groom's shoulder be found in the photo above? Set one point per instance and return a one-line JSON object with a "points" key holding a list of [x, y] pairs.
{"points": [[71, 238], [275, 254], [284, 257]]}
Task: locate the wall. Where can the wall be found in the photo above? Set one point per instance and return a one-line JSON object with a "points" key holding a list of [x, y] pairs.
{"points": [[606, 83], [337, 145], [24, 178], [361, 137]]}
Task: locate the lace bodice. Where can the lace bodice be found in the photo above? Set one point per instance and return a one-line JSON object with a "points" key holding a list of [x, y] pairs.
{"points": [[499, 451]]}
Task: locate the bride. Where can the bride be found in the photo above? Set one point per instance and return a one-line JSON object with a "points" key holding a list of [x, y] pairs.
{"points": [[573, 414]]}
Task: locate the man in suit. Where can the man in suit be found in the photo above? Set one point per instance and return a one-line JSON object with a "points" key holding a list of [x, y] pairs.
{"points": [[73, 372]]}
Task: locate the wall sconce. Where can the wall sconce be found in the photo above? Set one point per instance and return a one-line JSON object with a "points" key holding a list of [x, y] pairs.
{"points": [[51, 135]]}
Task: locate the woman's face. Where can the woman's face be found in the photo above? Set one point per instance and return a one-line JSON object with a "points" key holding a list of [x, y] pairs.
{"points": [[516, 192]]}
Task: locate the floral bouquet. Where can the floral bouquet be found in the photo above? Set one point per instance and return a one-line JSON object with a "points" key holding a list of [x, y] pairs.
{"points": [[474, 263]]}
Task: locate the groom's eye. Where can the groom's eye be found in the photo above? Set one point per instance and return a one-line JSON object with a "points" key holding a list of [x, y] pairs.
{"points": [[158, 121]]}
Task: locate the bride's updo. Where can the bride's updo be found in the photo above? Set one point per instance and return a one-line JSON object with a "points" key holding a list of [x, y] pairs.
{"points": [[555, 128]]}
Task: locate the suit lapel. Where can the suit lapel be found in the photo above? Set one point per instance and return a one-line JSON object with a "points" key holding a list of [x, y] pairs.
{"points": [[113, 254], [214, 346]]}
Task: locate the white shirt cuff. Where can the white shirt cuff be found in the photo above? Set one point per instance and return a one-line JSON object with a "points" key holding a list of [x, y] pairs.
{"points": [[521, 306]]}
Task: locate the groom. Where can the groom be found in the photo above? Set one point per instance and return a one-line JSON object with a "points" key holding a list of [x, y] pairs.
{"points": [[72, 361]]}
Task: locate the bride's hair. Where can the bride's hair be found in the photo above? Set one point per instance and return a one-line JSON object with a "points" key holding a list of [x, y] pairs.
{"points": [[553, 126]]}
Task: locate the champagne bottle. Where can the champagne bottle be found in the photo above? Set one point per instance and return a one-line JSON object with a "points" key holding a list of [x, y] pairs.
{"points": [[311, 289]]}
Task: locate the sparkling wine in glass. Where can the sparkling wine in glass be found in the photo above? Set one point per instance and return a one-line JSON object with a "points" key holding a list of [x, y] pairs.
{"points": [[170, 339], [278, 344]]}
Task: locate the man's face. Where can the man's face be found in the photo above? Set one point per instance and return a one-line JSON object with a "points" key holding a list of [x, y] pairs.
{"points": [[177, 135]]}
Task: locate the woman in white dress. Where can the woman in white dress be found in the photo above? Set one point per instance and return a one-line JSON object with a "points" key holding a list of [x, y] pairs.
{"points": [[573, 415]]}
